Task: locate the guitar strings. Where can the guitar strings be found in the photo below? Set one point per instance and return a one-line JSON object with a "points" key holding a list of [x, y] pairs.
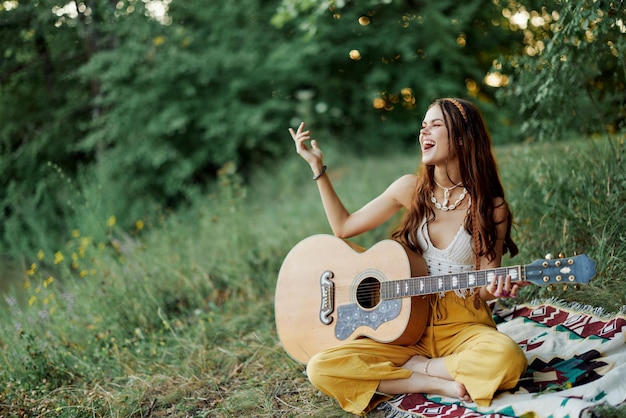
{"points": [[434, 282]]}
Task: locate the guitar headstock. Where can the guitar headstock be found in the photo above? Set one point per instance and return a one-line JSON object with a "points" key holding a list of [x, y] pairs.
{"points": [[578, 269]]}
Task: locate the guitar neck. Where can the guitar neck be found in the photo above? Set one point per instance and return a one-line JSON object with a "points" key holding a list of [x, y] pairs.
{"points": [[426, 285]]}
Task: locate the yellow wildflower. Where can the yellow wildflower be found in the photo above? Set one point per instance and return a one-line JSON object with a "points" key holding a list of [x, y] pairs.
{"points": [[84, 243], [82, 273], [40, 255], [58, 257], [139, 225], [111, 221], [48, 281], [75, 233], [32, 300], [32, 269], [159, 40]]}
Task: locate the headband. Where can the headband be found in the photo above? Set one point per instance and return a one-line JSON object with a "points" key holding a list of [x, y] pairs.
{"points": [[458, 106]]}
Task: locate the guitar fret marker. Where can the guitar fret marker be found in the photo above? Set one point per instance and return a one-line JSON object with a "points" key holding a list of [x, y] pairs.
{"points": [[472, 279], [455, 281], [440, 283]]}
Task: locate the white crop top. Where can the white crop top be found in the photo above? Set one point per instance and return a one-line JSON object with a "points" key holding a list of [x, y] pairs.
{"points": [[457, 257]]}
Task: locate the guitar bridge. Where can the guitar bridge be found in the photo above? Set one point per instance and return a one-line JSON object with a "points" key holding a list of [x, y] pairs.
{"points": [[327, 288]]}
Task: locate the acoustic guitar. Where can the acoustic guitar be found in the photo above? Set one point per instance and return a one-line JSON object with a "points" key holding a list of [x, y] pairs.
{"points": [[330, 291]]}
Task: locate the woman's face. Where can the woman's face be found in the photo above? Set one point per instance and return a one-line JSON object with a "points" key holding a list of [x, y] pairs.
{"points": [[434, 140]]}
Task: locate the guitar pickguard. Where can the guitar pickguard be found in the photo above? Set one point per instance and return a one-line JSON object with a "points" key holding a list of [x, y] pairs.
{"points": [[352, 316]]}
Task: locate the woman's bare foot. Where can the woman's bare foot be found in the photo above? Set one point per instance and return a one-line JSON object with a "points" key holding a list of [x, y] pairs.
{"points": [[421, 383], [429, 376], [450, 388]]}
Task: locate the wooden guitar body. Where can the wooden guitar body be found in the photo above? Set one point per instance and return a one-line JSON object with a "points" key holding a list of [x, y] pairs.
{"points": [[328, 293]]}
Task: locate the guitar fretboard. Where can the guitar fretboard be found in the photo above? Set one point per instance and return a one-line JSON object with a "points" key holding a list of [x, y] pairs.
{"points": [[418, 286]]}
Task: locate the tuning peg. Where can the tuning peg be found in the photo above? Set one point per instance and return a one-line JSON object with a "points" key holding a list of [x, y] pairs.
{"points": [[561, 255], [548, 256], [564, 287]]}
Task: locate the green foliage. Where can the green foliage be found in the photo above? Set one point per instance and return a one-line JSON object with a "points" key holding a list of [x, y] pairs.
{"points": [[39, 104], [605, 411], [375, 66], [571, 76], [143, 107], [148, 108], [205, 94]]}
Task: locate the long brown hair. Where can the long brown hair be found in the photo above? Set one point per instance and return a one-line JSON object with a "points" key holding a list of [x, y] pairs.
{"points": [[468, 133]]}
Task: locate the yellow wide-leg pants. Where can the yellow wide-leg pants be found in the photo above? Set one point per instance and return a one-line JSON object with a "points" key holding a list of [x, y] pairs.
{"points": [[475, 354]]}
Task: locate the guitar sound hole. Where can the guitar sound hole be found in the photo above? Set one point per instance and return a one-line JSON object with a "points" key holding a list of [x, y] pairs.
{"points": [[368, 293]]}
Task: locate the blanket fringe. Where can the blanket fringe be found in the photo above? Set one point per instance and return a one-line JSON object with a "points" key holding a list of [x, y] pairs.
{"points": [[578, 307]]}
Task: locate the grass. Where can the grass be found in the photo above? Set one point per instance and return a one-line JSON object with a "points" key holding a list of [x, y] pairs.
{"points": [[175, 317]]}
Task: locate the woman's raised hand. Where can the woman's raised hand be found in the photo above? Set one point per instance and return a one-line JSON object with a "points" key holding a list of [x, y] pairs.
{"points": [[313, 155]]}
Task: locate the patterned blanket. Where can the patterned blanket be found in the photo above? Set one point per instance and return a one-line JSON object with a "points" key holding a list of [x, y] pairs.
{"points": [[576, 360]]}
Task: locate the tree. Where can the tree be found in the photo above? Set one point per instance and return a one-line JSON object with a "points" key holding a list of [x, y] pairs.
{"points": [[379, 64], [185, 98], [141, 107], [43, 108], [571, 75]]}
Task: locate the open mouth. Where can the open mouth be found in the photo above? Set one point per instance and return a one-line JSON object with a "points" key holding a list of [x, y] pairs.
{"points": [[427, 144]]}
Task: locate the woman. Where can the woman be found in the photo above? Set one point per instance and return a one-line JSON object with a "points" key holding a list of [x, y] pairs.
{"points": [[457, 218]]}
